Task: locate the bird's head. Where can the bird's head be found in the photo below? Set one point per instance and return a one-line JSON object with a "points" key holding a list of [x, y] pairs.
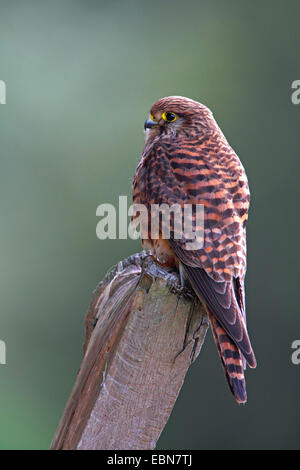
{"points": [[178, 116]]}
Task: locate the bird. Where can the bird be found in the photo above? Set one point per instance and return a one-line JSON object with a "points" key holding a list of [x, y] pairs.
{"points": [[188, 161]]}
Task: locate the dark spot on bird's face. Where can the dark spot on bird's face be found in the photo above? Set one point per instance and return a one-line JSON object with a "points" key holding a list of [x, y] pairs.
{"points": [[169, 116]]}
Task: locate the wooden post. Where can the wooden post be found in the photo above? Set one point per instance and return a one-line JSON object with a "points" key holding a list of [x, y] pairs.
{"points": [[142, 333]]}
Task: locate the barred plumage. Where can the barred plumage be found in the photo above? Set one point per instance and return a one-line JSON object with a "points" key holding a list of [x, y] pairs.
{"points": [[189, 161]]}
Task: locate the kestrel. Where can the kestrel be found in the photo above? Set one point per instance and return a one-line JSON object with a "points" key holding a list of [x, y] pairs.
{"points": [[187, 160]]}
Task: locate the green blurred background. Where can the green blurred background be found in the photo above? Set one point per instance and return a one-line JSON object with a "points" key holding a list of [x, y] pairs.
{"points": [[81, 77]]}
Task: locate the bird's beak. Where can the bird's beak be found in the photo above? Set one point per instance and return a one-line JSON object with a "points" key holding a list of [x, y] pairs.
{"points": [[150, 123]]}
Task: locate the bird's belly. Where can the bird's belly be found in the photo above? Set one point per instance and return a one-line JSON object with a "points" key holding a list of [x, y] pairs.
{"points": [[161, 252]]}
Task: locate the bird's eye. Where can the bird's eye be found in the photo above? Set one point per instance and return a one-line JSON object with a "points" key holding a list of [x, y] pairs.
{"points": [[169, 117]]}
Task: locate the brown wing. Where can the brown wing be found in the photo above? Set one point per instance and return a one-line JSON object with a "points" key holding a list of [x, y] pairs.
{"points": [[221, 301], [207, 172], [201, 172]]}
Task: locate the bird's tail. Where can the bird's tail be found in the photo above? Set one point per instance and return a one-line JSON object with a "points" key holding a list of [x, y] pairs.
{"points": [[232, 361]]}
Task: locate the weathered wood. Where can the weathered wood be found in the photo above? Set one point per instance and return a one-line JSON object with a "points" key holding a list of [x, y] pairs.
{"points": [[142, 332]]}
